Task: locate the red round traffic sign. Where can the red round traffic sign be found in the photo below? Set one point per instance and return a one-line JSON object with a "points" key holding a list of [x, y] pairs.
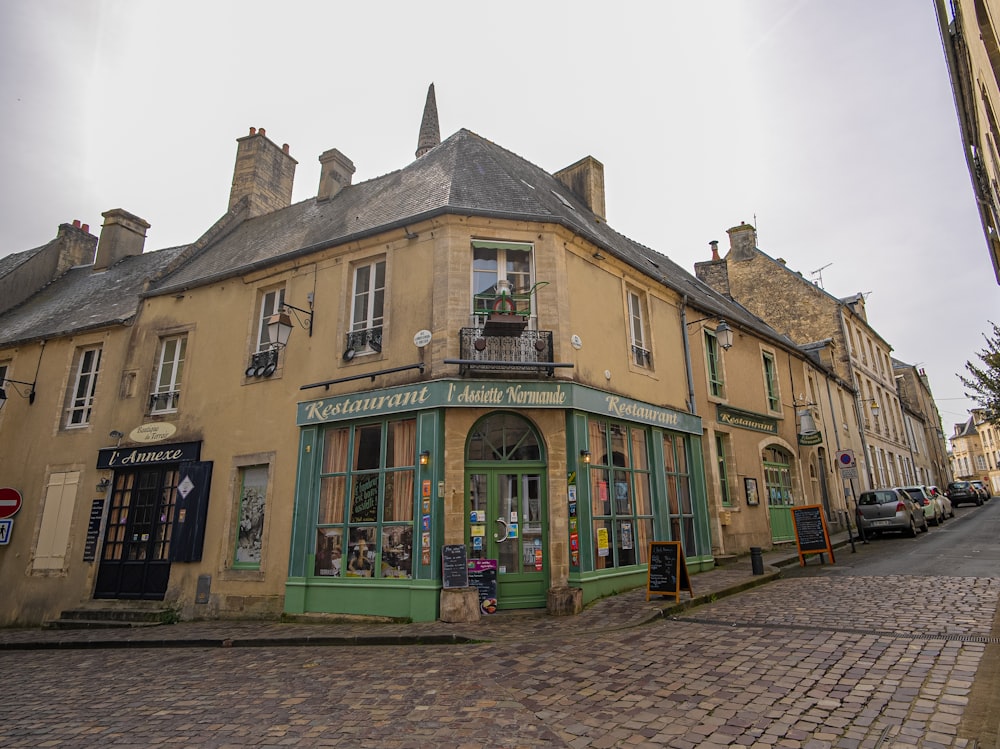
{"points": [[10, 502]]}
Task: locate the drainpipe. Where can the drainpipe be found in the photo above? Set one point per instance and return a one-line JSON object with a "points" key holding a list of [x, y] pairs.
{"points": [[858, 406], [687, 356]]}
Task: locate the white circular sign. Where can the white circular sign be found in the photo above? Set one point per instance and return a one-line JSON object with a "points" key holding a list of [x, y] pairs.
{"points": [[422, 338], [576, 341]]}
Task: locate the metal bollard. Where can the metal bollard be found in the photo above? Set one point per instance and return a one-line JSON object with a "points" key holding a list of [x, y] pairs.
{"points": [[756, 560]]}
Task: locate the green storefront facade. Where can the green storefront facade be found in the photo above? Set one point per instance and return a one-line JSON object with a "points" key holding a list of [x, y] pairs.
{"points": [[374, 497]]}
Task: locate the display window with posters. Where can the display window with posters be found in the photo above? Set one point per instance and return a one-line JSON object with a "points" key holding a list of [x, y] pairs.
{"points": [[366, 503]]}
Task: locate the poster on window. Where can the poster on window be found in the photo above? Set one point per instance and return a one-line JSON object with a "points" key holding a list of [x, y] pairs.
{"points": [[602, 542], [364, 502], [329, 552], [626, 529], [361, 558], [250, 535]]}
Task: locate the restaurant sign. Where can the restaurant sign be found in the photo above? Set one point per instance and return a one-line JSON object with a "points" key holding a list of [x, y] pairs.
{"points": [[492, 394], [746, 420], [133, 457]]}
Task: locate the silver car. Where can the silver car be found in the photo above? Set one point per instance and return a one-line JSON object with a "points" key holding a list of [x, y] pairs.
{"points": [[889, 510]]}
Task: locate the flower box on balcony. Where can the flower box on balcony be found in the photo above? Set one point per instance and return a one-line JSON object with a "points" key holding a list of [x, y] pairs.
{"points": [[499, 323]]}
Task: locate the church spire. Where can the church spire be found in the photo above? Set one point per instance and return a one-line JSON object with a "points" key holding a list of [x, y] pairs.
{"points": [[430, 132]]}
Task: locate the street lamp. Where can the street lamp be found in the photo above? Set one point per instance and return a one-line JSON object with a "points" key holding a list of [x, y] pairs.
{"points": [[875, 408]]}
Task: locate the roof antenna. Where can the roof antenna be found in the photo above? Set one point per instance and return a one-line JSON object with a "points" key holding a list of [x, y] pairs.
{"points": [[817, 275]]}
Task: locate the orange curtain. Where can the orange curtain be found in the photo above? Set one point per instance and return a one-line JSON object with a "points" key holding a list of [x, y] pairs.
{"points": [[404, 452]]}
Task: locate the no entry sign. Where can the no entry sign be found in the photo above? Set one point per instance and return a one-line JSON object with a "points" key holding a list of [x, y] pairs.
{"points": [[10, 502]]}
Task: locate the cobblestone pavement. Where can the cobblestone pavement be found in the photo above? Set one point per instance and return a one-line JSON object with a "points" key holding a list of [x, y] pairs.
{"points": [[808, 662]]}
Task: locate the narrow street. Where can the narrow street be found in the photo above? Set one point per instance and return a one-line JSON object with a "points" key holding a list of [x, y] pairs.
{"points": [[873, 651]]}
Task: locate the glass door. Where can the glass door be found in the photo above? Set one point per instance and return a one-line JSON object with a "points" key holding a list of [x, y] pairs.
{"points": [[506, 524]]}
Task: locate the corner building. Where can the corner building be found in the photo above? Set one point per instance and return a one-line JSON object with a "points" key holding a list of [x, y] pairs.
{"points": [[299, 410]]}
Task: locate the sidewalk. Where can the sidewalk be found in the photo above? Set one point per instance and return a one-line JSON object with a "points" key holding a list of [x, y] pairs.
{"points": [[622, 611]]}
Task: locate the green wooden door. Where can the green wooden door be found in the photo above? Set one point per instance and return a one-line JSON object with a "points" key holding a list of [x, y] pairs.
{"points": [[778, 483], [506, 510]]}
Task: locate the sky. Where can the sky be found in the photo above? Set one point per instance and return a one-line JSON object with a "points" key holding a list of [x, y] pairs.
{"points": [[830, 126]]}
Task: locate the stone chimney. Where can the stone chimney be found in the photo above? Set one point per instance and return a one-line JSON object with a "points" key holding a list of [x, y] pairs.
{"points": [[585, 179], [742, 241], [264, 173], [714, 272], [76, 246], [122, 235], [335, 172], [73, 245], [430, 130]]}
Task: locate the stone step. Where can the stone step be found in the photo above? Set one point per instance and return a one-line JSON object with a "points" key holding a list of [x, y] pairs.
{"points": [[104, 618]]}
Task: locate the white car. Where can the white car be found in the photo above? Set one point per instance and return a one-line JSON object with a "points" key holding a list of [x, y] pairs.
{"points": [[931, 506], [949, 509]]}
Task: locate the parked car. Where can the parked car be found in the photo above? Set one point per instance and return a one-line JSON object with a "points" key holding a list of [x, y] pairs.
{"points": [[982, 488], [888, 510], [931, 506], [963, 492], [949, 509]]}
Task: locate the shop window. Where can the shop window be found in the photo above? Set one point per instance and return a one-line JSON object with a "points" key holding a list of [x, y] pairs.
{"points": [[716, 385], [271, 301], [501, 266], [680, 506], [720, 455], [621, 503], [365, 519], [638, 332], [252, 507], [169, 373], [771, 382], [57, 516], [86, 366], [367, 308]]}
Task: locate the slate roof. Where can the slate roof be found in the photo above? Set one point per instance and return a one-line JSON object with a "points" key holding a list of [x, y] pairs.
{"points": [[81, 299], [12, 261], [465, 174]]}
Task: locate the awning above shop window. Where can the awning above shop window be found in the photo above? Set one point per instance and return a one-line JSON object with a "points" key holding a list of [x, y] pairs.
{"points": [[482, 244]]}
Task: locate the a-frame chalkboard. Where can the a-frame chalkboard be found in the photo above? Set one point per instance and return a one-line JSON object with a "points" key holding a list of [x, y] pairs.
{"points": [[668, 573], [811, 534]]}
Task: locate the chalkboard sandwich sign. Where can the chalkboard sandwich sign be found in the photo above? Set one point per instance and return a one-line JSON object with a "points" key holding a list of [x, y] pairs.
{"points": [[811, 534], [668, 574], [454, 566]]}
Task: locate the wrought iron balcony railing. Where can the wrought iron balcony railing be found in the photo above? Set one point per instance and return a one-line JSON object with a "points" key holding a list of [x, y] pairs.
{"points": [[364, 340], [531, 350]]}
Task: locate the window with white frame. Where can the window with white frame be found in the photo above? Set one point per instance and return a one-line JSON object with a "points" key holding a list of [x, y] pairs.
{"points": [[80, 403], [169, 374], [271, 301], [501, 269], [771, 382], [641, 354], [716, 384], [367, 307]]}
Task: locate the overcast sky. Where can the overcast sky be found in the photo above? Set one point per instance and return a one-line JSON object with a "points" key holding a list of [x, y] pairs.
{"points": [[830, 125]]}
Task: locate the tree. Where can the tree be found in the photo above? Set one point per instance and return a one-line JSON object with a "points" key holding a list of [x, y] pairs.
{"points": [[984, 380]]}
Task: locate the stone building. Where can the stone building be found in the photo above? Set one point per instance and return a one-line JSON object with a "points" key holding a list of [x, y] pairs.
{"points": [[857, 354], [975, 451], [969, 35], [929, 452], [301, 410]]}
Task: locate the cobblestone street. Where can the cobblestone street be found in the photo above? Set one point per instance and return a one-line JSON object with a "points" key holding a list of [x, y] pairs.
{"points": [[812, 662]]}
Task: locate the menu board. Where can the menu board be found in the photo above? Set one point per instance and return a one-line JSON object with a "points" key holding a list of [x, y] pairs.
{"points": [[483, 575], [454, 566], [668, 574], [811, 534]]}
